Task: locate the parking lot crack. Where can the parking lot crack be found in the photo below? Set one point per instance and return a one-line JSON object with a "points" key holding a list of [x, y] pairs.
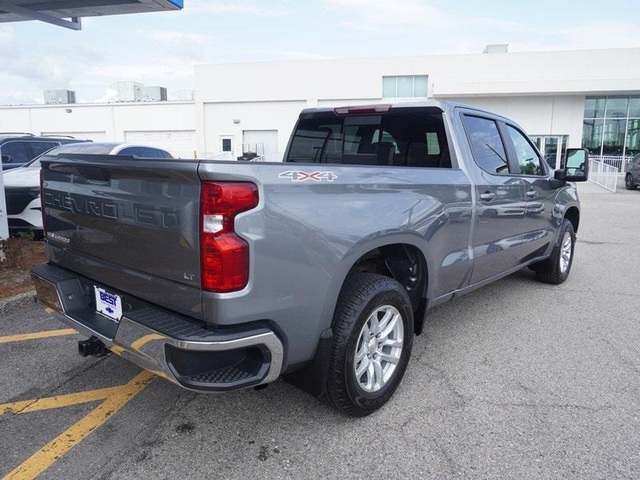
{"points": [[454, 468], [446, 380], [621, 357], [551, 406]]}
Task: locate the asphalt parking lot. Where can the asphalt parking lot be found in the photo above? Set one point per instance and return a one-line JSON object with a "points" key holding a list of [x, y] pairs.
{"points": [[517, 380]]}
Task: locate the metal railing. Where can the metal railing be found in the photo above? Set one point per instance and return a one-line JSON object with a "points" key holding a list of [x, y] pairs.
{"points": [[603, 174], [617, 161]]}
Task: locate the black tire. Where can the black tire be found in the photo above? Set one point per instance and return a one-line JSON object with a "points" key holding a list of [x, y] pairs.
{"points": [[363, 295], [557, 267], [628, 182]]}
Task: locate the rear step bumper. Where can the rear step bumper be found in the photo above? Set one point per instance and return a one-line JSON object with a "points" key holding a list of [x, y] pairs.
{"points": [[169, 345]]}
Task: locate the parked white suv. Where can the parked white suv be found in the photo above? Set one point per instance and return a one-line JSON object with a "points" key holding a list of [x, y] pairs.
{"points": [[22, 184]]}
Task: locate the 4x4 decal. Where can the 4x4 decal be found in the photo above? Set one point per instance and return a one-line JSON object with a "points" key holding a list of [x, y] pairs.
{"points": [[300, 176]]}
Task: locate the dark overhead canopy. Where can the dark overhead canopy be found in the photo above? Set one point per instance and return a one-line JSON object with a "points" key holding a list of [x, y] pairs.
{"points": [[67, 13]]}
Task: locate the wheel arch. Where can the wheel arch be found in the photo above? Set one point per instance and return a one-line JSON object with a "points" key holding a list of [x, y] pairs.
{"points": [[573, 215], [401, 260]]}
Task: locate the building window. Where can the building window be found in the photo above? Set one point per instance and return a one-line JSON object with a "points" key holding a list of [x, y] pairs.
{"points": [[611, 125], [552, 148], [406, 86]]}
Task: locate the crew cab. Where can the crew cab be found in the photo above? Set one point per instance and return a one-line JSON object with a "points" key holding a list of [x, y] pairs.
{"points": [[319, 269]]}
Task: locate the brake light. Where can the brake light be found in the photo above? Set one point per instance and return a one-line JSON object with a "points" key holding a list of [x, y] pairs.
{"points": [[224, 255], [362, 109]]}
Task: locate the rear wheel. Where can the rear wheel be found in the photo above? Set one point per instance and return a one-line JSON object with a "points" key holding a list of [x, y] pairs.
{"points": [[628, 182], [557, 267], [373, 337]]}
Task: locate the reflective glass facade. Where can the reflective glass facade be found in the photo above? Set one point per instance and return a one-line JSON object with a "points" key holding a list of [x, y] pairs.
{"points": [[611, 125]]}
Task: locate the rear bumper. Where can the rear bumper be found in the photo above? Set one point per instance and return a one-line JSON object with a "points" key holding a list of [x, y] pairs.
{"points": [[167, 344]]}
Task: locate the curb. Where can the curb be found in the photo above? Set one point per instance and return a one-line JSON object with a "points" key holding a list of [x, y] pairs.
{"points": [[9, 305]]}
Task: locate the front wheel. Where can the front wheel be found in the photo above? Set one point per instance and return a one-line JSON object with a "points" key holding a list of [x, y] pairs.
{"points": [[373, 337], [628, 182], [556, 268]]}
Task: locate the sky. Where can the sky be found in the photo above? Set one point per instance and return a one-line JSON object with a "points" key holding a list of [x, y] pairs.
{"points": [[161, 49]]}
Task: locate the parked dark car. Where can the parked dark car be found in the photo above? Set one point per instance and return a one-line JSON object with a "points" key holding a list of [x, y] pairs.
{"points": [[632, 175], [20, 148]]}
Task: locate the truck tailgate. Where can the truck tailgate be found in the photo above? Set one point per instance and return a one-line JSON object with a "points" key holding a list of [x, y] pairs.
{"points": [[128, 224]]}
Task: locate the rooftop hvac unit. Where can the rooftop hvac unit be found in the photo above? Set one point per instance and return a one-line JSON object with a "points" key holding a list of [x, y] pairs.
{"points": [[59, 97], [128, 91], [154, 94]]}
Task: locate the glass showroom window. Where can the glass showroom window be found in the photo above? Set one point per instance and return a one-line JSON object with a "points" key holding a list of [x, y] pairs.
{"points": [[611, 125], [406, 86]]}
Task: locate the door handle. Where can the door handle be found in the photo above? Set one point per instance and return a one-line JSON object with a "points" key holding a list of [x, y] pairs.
{"points": [[532, 193], [487, 196]]}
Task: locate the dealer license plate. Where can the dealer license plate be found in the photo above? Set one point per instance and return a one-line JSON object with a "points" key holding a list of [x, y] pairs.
{"points": [[108, 304]]}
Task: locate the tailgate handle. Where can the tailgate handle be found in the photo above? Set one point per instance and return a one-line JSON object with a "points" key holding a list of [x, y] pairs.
{"points": [[95, 174]]}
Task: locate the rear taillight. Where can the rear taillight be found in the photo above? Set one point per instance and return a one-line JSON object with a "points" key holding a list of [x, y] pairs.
{"points": [[224, 255], [44, 227]]}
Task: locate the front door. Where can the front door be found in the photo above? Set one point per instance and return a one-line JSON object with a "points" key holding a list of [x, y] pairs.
{"points": [[538, 229]]}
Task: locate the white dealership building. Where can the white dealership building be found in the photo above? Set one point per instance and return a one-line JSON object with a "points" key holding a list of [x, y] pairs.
{"points": [[572, 98]]}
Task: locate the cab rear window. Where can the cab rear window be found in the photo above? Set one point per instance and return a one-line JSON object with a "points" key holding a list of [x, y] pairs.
{"points": [[409, 137]]}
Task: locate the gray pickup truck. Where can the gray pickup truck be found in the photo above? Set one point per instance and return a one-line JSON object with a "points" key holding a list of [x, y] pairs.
{"points": [[319, 269]]}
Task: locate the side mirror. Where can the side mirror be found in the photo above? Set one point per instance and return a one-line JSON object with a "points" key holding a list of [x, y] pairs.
{"points": [[6, 159], [576, 165]]}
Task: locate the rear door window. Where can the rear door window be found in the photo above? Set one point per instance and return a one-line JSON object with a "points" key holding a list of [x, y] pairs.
{"points": [[486, 144], [17, 151], [38, 148]]}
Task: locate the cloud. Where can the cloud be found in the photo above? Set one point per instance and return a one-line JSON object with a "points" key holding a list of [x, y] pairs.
{"points": [[290, 54], [141, 72], [595, 35], [252, 8], [603, 35], [179, 37], [6, 36], [109, 95], [372, 14]]}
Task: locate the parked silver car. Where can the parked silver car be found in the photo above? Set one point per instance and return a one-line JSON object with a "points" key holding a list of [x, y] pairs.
{"points": [[22, 184]]}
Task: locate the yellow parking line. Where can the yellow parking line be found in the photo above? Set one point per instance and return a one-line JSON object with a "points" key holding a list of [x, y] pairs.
{"points": [[59, 401], [35, 336], [138, 344], [47, 455]]}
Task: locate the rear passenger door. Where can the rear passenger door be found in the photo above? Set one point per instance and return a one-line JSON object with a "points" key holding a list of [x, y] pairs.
{"points": [[500, 198]]}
